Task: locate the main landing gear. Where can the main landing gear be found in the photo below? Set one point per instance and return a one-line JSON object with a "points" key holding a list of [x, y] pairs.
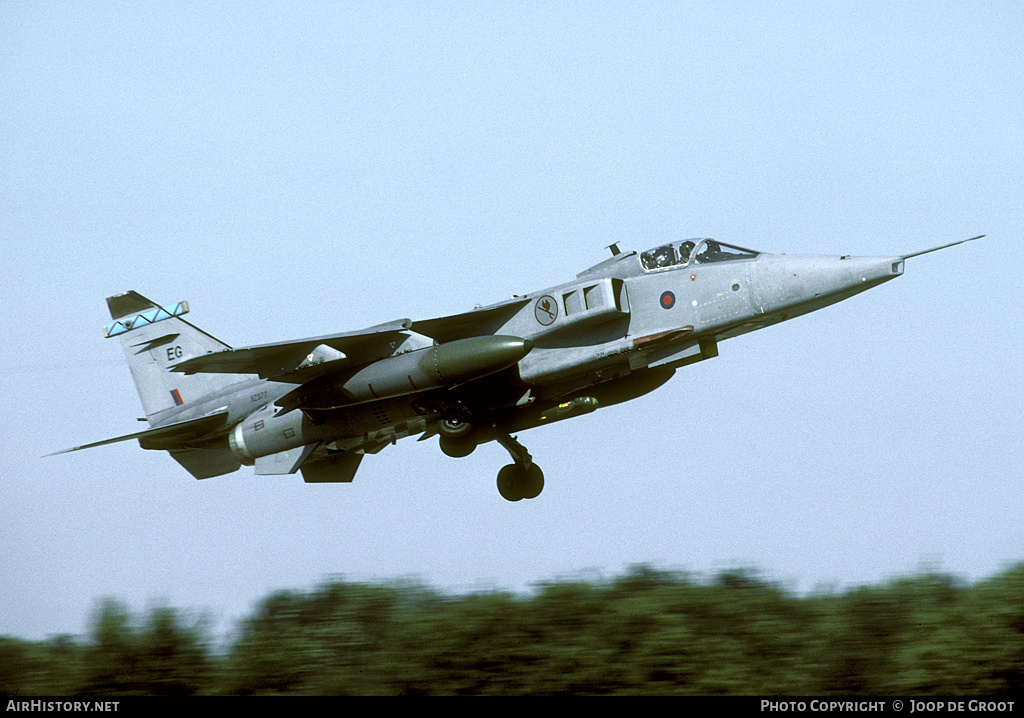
{"points": [[522, 479]]}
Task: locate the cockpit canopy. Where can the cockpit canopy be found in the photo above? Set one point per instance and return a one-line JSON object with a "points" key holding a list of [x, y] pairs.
{"points": [[700, 251]]}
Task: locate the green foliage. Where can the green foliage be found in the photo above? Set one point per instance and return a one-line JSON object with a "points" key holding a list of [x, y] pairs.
{"points": [[647, 632], [161, 657]]}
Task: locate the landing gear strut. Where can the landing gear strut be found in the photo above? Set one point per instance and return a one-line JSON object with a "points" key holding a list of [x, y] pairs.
{"points": [[523, 479]]}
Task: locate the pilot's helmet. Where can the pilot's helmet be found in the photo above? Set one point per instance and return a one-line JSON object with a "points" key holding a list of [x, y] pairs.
{"points": [[685, 250]]}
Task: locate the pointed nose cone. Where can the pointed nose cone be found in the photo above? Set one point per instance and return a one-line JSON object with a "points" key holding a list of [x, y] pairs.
{"points": [[806, 283]]}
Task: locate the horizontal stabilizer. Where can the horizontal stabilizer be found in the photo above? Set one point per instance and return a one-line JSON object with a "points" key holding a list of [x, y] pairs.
{"points": [[206, 463], [172, 436]]}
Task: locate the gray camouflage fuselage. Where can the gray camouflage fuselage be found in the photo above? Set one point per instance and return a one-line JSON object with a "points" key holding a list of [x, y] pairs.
{"points": [[617, 331]]}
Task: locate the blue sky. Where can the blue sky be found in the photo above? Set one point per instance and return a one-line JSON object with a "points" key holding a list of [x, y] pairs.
{"points": [[302, 170]]}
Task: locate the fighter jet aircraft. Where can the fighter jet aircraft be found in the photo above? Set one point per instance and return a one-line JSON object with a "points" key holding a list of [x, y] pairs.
{"points": [[616, 332]]}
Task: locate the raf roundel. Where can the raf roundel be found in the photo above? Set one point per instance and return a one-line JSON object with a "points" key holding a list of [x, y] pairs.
{"points": [[668, 300]]}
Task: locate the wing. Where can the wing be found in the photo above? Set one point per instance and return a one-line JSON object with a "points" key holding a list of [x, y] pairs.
{"points": [[298, 361], [486, 320]]}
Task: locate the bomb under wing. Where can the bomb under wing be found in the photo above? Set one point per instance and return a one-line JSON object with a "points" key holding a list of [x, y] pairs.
{"points": [[617, 331]]}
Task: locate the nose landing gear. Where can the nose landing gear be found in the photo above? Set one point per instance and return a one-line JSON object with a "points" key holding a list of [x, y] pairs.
{"points": [[457, 438]]}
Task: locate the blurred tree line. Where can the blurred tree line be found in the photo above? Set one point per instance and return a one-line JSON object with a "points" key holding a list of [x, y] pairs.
{"points": [[647, 632]]}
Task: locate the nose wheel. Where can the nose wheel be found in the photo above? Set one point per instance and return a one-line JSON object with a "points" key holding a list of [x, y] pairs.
{"points": [[457, 438]]}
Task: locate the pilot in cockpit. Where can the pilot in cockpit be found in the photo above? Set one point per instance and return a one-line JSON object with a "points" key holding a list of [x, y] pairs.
{"points": [[685, 250], [664, 256], [710, 253]]}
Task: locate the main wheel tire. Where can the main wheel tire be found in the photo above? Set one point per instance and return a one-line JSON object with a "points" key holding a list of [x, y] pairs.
{"points": [[510, 483], [515, 484], [532, 482]]}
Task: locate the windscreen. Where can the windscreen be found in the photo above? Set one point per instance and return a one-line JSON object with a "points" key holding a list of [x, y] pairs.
{"points": [[683, 252]]}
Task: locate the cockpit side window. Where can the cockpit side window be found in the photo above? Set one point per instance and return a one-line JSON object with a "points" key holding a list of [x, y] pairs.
{"points": [[676, 254], [712, 251]]}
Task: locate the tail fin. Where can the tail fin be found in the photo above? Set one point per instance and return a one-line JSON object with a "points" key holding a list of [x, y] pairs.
{"points": [[154, 338]]}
